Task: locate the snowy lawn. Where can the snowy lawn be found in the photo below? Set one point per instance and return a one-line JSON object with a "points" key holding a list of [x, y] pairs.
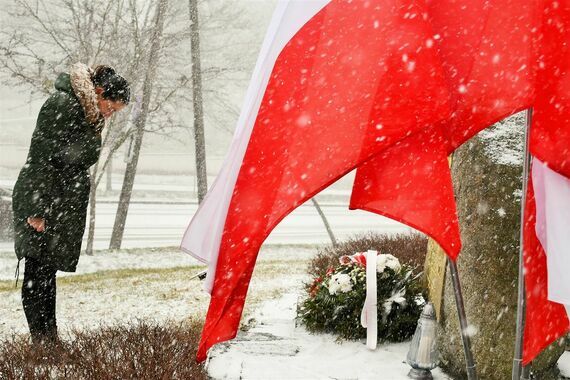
{"points": [[152, 285], [143, 258], [120, 287]]}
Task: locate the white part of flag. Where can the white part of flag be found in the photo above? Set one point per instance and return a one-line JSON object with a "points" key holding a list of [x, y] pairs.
{"points": [[552, 196], [202, 238]]}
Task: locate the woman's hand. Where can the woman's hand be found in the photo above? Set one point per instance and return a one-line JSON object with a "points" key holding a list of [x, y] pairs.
{"points": [[39, 224]]}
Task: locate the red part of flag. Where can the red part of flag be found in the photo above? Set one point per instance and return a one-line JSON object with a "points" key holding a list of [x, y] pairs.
{"points": [[411, 182]]}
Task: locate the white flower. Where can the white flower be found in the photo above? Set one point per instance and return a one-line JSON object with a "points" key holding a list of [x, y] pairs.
{"points": [[396, 297], [387, 261], [340, 282]]}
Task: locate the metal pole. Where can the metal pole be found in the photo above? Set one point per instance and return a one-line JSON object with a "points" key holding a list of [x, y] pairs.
{"points": [[526, 372], [517, 361], [325, 221], [469, 361]]}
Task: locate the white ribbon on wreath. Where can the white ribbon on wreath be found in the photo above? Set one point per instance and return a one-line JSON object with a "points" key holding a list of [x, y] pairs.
{"points": [[369, 315]]}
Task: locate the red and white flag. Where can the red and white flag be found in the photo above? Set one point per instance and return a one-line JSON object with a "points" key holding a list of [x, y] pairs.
{"points": [[546, 259], [389, 87], [547, 220], [335, 83]]}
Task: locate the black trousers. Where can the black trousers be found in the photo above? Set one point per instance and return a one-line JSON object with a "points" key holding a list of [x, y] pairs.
{"points": [[38, 299]]}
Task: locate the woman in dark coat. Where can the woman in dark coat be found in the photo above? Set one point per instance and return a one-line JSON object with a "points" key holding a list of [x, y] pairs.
{"points": [[52, 191]]}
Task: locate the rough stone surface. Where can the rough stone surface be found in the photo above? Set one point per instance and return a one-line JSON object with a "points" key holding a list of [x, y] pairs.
{"points": [[487, 179]]}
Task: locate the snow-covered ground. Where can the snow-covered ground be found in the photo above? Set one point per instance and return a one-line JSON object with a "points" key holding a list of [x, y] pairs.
{"points": [[156, 284], [153, 258], [150, 284], [275, 348], [109, 260], [564, 365]]}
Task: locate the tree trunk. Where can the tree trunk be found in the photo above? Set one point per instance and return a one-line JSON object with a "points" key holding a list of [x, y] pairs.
{"points": [[140, 122], [487, 179], [109, 173], [199, 138], [97, 173], [92, 212]]}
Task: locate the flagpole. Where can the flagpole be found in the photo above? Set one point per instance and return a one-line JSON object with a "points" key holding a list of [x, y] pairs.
{"points": [[526, 372], [517, 361], [463, 325]]}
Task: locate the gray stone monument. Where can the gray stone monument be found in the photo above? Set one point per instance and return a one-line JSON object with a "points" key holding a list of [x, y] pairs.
{"points": [[487, 173]]}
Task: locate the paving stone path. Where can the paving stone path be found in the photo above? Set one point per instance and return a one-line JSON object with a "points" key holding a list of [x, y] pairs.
{"points": [[272, 346]]}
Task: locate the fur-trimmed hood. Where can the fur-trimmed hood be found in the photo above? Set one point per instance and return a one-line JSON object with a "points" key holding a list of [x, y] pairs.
{"points": [[79, 82]]}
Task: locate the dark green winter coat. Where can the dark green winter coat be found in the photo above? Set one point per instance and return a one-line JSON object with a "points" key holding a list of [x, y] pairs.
{"points": [[54, 183]]}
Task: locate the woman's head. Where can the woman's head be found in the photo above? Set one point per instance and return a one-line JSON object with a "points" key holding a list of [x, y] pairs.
{"points": [[113, 91]]}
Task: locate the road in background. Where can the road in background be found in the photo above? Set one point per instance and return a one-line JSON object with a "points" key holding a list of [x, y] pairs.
{"points": [[152, 224]]}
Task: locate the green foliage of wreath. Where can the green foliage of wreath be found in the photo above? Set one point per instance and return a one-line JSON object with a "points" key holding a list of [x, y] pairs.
{"points": [[339, 313]]}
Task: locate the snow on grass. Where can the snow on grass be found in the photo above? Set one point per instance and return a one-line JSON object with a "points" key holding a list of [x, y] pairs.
{"points": [[153, 285], [111, 297], [110, 260], [147, 258], [119, 287]]}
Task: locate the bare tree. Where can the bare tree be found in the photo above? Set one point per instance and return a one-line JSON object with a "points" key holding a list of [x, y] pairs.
{"points": [[126, 191], [42, 38], [61, 32], [55, 35]]}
